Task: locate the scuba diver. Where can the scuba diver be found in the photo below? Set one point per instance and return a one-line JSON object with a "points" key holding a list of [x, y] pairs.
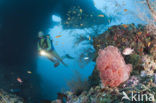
{"points": [[46, 48]]}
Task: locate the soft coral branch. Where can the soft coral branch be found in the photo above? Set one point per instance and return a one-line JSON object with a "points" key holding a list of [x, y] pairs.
{"points": [[152, 10]]}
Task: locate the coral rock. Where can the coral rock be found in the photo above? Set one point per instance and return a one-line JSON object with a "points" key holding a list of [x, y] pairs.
{"points": [[149, 65], [112, 67]]}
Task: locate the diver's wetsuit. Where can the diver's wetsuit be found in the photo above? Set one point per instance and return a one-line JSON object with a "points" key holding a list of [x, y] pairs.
{"points": [[44, 43]]}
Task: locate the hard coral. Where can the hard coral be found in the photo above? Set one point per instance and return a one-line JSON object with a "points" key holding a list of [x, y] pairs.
{"points": [[112, 67], [149, 65]]}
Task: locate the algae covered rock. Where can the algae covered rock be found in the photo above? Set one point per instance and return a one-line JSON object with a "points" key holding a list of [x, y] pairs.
{"points": [[94, 79]]}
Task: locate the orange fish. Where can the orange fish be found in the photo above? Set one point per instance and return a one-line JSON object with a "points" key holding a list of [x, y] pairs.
{"points": [[125, 10], [100, 15], [139, 33], [58, 36], [125, 26], [89, 38], [149, 43], [19, 80]]}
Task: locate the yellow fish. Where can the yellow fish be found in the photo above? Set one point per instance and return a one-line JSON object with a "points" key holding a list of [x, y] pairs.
{"points": [[149, 43], [89, 38], [80, 10], [58, 36]]}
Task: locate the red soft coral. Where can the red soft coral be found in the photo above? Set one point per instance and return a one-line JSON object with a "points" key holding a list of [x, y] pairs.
{"points": [[112, 67]]}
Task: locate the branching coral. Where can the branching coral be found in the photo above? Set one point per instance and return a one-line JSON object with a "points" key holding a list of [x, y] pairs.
{"points": [[112, 67]]}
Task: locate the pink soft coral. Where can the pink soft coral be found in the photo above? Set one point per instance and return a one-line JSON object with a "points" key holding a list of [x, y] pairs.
{"points": [[112, 67]]}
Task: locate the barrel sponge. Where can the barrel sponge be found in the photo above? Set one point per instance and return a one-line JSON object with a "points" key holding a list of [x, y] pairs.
{"points": [[112, 67]]}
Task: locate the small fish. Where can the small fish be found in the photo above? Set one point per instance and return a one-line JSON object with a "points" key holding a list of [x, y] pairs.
{"points": [[19, 80], [127, 51], [58, 36], [125, 10], [100, 15], [89, 38], [125, 26], [81, 24], [149, 43], [139, 33], [80, 10], [29, 72], [86, 58], [68, 18]]}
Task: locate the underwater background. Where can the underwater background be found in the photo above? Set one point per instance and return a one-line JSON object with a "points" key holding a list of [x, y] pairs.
{"points": [[75, 26]]}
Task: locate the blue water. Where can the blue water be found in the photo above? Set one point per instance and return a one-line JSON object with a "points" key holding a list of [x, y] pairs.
{"points": [[55, 80]]}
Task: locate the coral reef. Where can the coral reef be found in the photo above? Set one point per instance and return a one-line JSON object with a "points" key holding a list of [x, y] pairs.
{"points": [[100, 94], [112, 67], [132, 82], [9, 98], [142, 40]]}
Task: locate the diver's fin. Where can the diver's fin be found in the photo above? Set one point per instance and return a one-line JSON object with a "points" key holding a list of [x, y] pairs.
{"points": [[64, 64], [67, 56], [56, 64]]}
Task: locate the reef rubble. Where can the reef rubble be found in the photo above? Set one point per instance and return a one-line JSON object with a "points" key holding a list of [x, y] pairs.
{"points": [[9, 98]]}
